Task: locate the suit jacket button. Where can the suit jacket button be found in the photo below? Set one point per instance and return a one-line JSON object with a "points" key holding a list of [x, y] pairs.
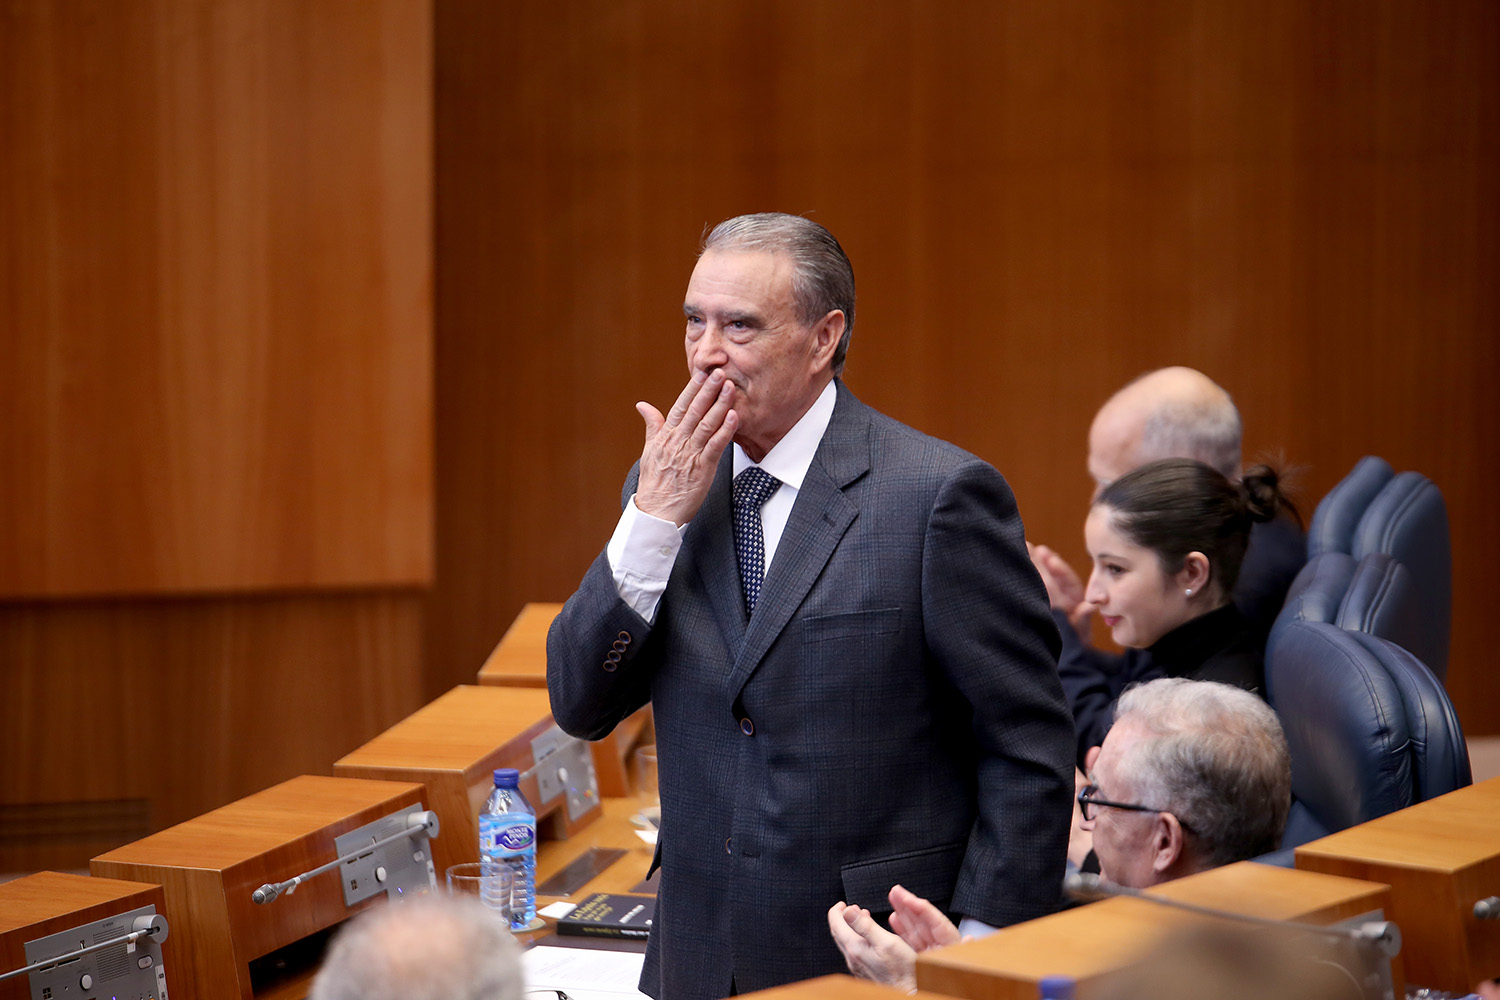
{"points": [[728, 845], [623, 637], [747, 727], [609, 667]]}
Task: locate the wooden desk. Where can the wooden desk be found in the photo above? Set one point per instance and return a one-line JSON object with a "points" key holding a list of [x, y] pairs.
{"points": [[453, 746], [1439, 857], [520, 660], [1090, 942], [50, 902], [209, 866], [835, 988]]}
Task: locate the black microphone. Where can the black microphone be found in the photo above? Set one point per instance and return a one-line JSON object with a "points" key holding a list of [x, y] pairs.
{"points": [[1488, 908]]}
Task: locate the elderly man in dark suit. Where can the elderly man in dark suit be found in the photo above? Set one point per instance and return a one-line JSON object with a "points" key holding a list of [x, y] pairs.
{"points": [[848, 651]]}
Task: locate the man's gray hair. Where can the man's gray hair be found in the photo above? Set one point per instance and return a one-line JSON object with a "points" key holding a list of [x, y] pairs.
{"points": [[822, 277], [425, 948], [1218, 761], [1201, 427]]}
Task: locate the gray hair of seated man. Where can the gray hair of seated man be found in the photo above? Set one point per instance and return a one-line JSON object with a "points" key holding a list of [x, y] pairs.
{"points": [[1218, 762], [424, 948], [1185, 415]]}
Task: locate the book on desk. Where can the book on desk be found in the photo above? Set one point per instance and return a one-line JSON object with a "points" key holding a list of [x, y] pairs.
{"points": [[610, 914]]}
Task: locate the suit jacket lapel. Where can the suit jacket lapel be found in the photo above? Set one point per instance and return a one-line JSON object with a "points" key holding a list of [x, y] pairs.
{"points": [[818, 520]]}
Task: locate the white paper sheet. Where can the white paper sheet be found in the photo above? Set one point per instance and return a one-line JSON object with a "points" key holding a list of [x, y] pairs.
{"points": [[584, 973]]}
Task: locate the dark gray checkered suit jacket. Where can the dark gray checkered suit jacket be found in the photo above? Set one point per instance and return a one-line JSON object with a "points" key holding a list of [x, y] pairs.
{"points": [[892, 714]]}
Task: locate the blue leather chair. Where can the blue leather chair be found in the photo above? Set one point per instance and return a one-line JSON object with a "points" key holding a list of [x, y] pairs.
{"points": [[1315, 595], [1408, 521], [1440, 754], [1382, 600], [1374, 595], [1338, 514], [1346, 726]]}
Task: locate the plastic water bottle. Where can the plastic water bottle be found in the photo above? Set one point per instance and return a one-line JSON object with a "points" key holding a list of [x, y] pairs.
{"points": [[507, 839], [1056, 988]]}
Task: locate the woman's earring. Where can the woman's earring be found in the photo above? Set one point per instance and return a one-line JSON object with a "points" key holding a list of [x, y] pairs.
{"points": [[1189, 592]]}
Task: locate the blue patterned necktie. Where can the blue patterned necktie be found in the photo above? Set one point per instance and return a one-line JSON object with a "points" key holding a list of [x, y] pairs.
{"points": [[752, 488]]}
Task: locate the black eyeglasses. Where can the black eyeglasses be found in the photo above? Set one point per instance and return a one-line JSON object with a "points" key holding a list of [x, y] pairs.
{"points": [[1089, 799]]}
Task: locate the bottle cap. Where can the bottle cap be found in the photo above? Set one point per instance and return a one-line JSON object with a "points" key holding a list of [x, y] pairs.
{"points": [[1056, 987], [507, 777]]}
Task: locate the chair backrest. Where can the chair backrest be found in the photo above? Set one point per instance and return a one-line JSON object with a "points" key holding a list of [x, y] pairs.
{"points": [[1314, 596], [1346, 726], [1338, 514], [1382, 600], [1408, 521], [1440, 754]]}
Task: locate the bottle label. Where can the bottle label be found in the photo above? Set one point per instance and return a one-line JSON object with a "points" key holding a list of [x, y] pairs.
{"points": [[507, 834]]}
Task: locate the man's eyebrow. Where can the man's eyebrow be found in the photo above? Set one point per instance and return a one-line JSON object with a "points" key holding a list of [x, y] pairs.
{"points": [[725, 316]]}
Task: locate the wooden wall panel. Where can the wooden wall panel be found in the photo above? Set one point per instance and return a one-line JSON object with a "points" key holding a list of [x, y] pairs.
{"points": [[1041, 201], [124, 714], [215, 286], [215, 402]]}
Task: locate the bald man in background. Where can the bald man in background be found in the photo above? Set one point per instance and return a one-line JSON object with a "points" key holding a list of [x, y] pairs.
{"points": [[1172, 412]]}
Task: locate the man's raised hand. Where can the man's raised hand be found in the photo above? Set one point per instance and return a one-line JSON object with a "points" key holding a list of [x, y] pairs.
{"points": [[683, 448]]}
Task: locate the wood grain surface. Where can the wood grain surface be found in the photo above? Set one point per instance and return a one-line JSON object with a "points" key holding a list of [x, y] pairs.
{"points": [[216, 386], [1439, 857], [453, 746], [216, 285], [173, 707], [210, 865], [1008, 966]]}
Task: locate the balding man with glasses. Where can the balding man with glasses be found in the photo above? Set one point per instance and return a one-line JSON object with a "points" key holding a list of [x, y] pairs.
{"points": [[1193, 775]]}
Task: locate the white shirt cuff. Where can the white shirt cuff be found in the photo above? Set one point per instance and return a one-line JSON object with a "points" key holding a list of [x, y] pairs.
{"points": [[969, 927], [641, 554]]}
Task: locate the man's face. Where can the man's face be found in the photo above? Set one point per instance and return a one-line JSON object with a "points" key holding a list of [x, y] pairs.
{"points": [[1114, 444], [1123, 838], [742, 318]]}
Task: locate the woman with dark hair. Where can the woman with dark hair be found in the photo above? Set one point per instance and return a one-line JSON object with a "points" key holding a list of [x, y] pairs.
{"points": [[1166, 542]]}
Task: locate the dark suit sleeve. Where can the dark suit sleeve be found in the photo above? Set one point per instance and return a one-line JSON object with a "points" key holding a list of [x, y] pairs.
{"points": [[599, 661], [1094, 680], [988, 626]]}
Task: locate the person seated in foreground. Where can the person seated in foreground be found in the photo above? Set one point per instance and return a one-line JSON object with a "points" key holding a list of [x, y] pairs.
{"points": [[1193, 775], [424, 948], [1167, 542]]}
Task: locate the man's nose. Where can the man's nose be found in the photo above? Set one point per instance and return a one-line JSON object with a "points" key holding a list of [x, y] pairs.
{"points": [[708, 350]]}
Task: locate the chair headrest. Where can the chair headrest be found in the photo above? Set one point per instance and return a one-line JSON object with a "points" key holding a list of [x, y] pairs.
{"points": [[1381, 599], [1314, 596], [1408, 521], [1337, 514]]}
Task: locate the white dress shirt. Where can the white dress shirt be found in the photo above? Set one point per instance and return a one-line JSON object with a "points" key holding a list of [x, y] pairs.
{"points": [[644, 547]]}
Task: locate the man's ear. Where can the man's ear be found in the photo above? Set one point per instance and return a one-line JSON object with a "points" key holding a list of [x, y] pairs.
{"points": [[1167, 846], [827, 334]]}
